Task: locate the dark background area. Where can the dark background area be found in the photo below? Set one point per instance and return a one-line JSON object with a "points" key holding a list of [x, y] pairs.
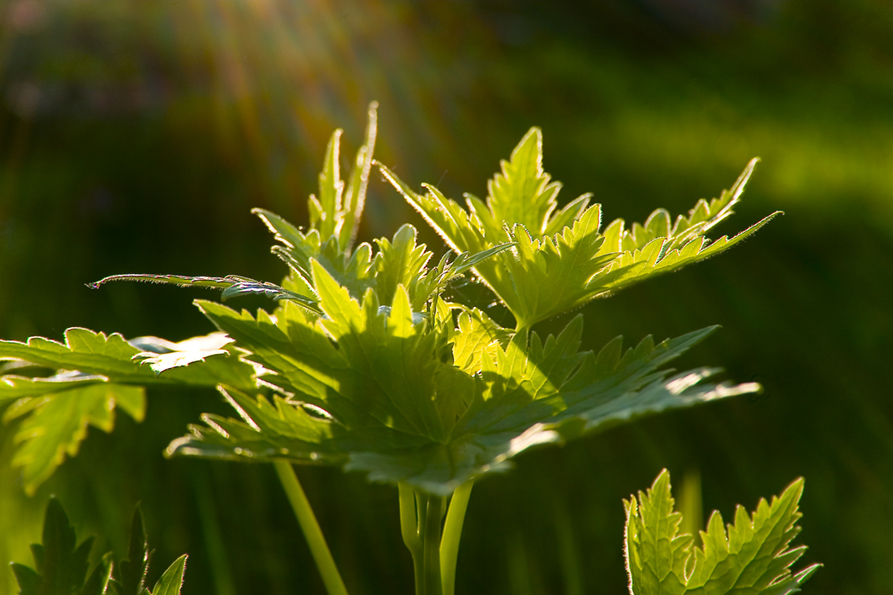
{"points": [[136, 136]]}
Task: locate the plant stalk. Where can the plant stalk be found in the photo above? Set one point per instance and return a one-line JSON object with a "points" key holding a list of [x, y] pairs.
{"points": [[431, 531], [409, 527], [310, 527], [421, 518], [452, 532]]}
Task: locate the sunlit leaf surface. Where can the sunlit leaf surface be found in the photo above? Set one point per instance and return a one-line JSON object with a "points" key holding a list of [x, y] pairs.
{"points": [[100, 375], [750, 556], [562, 258], [365, 365]]}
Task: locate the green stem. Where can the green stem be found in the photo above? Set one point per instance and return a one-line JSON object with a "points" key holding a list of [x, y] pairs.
{"points": [[307, 520], [409, 527], [431, 528], [421, 515], [452, 532]]}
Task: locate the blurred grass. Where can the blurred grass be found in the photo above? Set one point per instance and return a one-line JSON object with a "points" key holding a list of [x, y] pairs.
{"points": [[136, 138]]}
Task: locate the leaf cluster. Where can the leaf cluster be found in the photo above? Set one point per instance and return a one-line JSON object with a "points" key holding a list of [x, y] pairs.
{"points": [[365, 363], [61, 565]]}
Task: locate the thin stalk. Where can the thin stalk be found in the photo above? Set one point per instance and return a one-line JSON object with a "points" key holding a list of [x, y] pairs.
{"points": [[307, 520], [431, 543], [452, 532], [409, 527]]}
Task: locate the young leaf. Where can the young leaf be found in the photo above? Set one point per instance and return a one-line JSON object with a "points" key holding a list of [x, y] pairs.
{"points": [[171, 581], [298, 249], [522, 194], [753, 557], [355, 195], [324, 210], [336, 213], [132, 572], [399, 262], [60, 565], [562, 260]]}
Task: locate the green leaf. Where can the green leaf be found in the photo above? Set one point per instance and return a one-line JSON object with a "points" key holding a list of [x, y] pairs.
{"points": [[57, 424], [336, 213], [324, 210], [298, 249], [362, 388], [399, 262], [161, 355], [561, 259], [171, 581], [104, 373], [521, 194], [355, 195], [657, 247], [112, 358], [132, 572], [752, 558], [232, 286], [334, 219], [61, 565]]}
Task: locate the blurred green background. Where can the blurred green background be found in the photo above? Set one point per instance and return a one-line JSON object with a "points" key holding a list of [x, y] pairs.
{"points": [[136, 136]]}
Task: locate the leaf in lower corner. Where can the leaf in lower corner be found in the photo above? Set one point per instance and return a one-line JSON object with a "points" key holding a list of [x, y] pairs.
{"points": [[171, 581], [752, 557], [58, 423], [60, 564]]}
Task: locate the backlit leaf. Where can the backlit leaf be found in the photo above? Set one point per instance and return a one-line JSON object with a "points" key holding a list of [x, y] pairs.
{"points": [[362, 389], [103, 373], [57, 424], [752, 557], [562, 259]]}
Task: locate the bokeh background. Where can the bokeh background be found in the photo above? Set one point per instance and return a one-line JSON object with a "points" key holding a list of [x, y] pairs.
{"points": [[136, 136]]}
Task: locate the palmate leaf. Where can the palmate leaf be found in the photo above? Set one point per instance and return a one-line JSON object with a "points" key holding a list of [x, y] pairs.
{"points": [[362, 388], [104, 373], [753, 558], [561, 258]]}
